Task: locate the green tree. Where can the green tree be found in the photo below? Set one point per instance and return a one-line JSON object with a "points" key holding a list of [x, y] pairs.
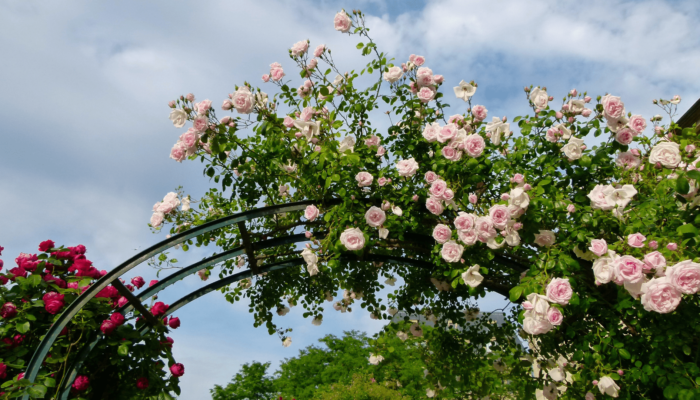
{"points": [[362, 387], [251, 383]]}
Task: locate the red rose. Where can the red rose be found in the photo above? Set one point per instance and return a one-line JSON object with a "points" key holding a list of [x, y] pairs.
{"points": [[174, 322], [159, 309], [46, 245], [142, 383], [138, 282], [108, 327], [177, 370], [8, 310], [117, 318], [81, 383]]}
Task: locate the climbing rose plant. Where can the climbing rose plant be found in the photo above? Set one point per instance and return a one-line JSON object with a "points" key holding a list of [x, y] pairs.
{"points": [[582, 213], [33, 295]]}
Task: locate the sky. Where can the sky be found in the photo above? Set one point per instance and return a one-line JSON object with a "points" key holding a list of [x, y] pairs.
{"points": [[84, 88]]}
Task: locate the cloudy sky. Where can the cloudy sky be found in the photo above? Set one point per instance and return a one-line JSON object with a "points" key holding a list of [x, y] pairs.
{"points": [[84, 88]]}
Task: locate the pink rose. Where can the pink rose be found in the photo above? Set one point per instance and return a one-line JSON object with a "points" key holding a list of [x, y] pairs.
{"points": [[407, 167], [142, 383], [500, 216], [468, 237], [571, 208], [306, 114], [479, 112], [364, 179], [613, 107], [8, 310], [628, 160], [117, 318], [446, 133], [599, 247], [386, 205], [53, 302], [653, 244], [419, 60], [431, 176], [438, 78], [108, 327], [373, 140], [536, 326], [672, 246], [342, 22], [380, 151], [157, 219], [81, 383], [178, 152], [473, 198], [189, 139], [629, 269], [527, 305], [442, 233], [138, 282], [425, 94], [474, 145], [382, 181], [319, 50], [637, 123], [464, 221], [625, 136], [203, 106], [276, 72], [352, 239], [434, 205], [484, 229], [300, 48], [636, 240], [559, 291], [518, 178], [311, 212], [452, 251], [265, 78], [243, 100], [554, 316], [448, 195], [437, 188], [660, 295], [450, 153], [545, 238], [177, 369], [685, 276], [122, 301], [586, 112], [288, 121], [375, 217]]}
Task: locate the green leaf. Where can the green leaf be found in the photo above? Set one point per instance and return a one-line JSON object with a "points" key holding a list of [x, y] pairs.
{"points": [[360, 45], [37, 391], [50, 382], [123, 350], [688, 230], [624, 354], [23, 328], [670, 392], [515, 293], [694, 174], [34, 280], [324, 91], [585, 161], [682, 185], [686, 350]]}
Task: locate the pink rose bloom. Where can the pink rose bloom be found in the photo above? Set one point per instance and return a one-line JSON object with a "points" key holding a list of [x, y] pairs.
{"points": [[190, 97], [450, 153], [437, 188], [554, 316], [319, 50], [474, 145], [442, 233], [469, 237], [122, 301], [308, 234], [545, 238], [446, 133], [81, 383], [571, 208], [660, 295], [373, 140], [415, 197], [451, 251], [189, 139], [53, 302], [419, 60], [243, 100], [382, 181], [672, 246], [685, 276], [653, 244], [624, 136], [277, 73], [203, 106], [8, 310], [479, 112], [288, 121], [117, 318], [407, 167], [431, 176], [425, 94], [300, 48], [138, 282], [342, 22], [159, 309], [559, 291], [177, 370], [108, 327], [636, 240], [312, 64], [500, 216], [352, 239], [484, 229], [142, 383], [536, 326], [586, 112], [518, 178], [265, 78], [654, 261], [178, 152], [434, 205], [629, 269], [473, 198], [386, 205], [311, 212], [364, 179], [380, 151], [438, 79], [637, 123], [306, 114], [628, 160], [599, 247], [613, 107], [375, 217], [448, 195], [464, 221], [527, 305], [157, 219]]}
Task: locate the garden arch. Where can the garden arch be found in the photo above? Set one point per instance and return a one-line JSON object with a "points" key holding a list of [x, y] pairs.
{"points": [[248, 248]]}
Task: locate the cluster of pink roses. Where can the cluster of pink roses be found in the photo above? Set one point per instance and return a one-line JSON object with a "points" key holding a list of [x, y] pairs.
{"points": [[540, 315], [189, 142], [167, 206], [608, 197], [456, 139], [663, 292]]}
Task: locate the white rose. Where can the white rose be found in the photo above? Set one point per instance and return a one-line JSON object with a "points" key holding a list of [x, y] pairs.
{"points": [[383, 233], [451, 251], [397, 210], [309, 256], [287, 342], [308, 129], [519, 198], [374, 360], [465, 90], [186, 203], [666, 153], [545, 238], [472, 277], [347, 144], [573, 148], [375, 217], [179, 117], [621, 196], [497, 128], [539, 98], [393, 74], [563, 130], [608, 386], [577, 106], [599, 197]]}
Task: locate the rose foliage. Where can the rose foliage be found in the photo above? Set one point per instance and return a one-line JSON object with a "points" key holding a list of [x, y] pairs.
{"points": [[581, 212], [125, 363]]}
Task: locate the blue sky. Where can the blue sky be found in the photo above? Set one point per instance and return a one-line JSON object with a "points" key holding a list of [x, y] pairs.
{"points": [[84, 88]]}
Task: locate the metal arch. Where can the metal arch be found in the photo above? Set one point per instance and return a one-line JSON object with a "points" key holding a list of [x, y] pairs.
{"points": [[73, 308]]}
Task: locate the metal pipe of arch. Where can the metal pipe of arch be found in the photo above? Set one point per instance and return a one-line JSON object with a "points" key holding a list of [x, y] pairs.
{"points": [[73, 308]]}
